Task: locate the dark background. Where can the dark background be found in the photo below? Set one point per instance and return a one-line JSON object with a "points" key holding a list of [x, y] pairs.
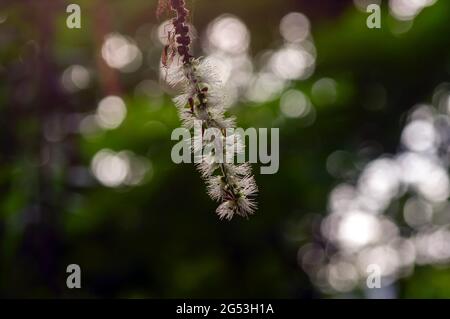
{"points": [[162, 238]]}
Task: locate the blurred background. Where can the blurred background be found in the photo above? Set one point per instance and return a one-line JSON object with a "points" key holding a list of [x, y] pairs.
{"points": [[86, 175]]}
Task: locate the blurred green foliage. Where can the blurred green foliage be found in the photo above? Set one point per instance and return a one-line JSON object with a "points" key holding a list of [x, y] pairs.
{"points": [[162, 238]]}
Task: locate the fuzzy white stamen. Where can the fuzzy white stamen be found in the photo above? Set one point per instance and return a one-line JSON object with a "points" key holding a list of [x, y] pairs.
{"points": [[202, 101]]}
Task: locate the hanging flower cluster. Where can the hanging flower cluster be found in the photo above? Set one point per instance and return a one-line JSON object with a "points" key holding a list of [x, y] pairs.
{"points": [[201, 103]]}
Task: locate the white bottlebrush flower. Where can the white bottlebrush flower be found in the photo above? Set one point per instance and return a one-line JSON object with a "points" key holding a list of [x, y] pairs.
{"points": [[226, 210], [241, 206], [202, 101], [239, 169], [216, 186], [208, 165]]}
